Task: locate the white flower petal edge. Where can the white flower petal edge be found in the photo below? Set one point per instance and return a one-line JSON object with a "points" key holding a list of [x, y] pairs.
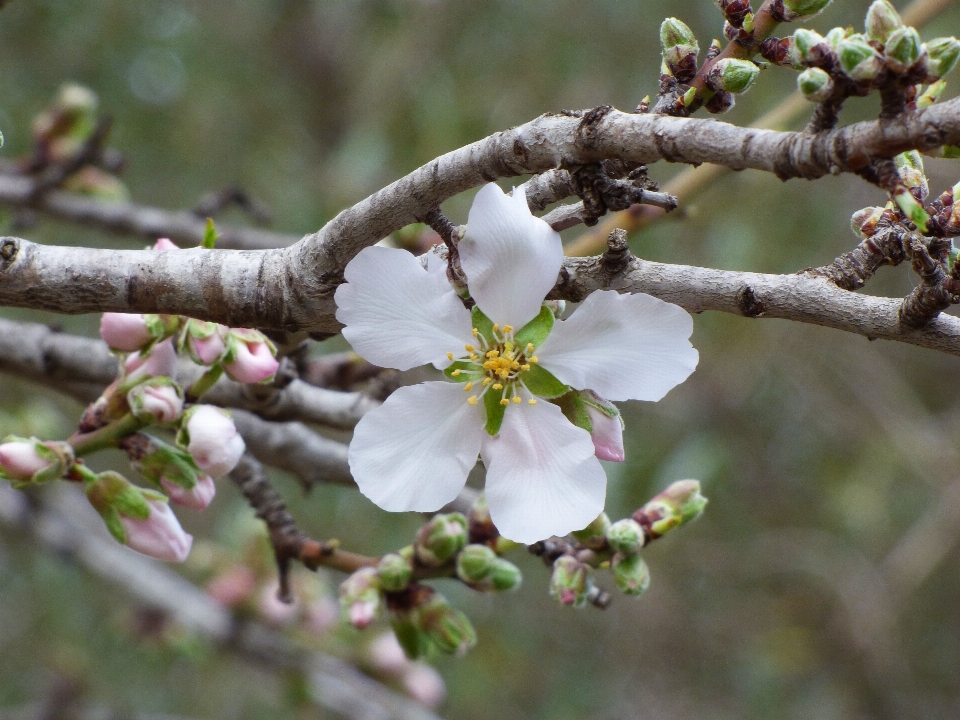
{"points": [[511, 258], [542, 476], [398, 315], [623, 347], [414, 451]]}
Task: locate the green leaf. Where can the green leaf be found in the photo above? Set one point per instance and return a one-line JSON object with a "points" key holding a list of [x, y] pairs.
{"points": [[468, 371], [543, 384], [482, 323], [495, 411], [209, 235], [536, 330]]}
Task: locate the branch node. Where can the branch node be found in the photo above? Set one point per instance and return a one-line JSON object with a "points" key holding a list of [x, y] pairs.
{"points": [[748, 304], [617, 256]]}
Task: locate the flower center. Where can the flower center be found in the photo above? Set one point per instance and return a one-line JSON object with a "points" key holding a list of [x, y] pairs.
{"points": [[497, 364]]}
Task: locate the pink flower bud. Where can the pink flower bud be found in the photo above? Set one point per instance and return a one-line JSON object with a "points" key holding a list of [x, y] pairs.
{"points": [[208, 349], [363, 612], [607, 435], [125, 331], [386, 655], [425, 685], [159, 536], [162, 361], [165, 244], [272, 609], [156, 403], [254, 362], [196, 498], [215, 444], [20, 460], [233, 587]]}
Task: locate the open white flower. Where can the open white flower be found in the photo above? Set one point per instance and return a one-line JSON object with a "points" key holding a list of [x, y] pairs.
{"points": [[415, 450]]}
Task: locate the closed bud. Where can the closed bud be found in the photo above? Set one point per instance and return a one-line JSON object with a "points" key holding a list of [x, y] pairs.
{"points": [[882, 19], [125, 331], [942, 55], [732, 75], [475, 564], [631, 574], [593, 535], [440, 539], [796, 9], [807, 46], [505, 576], [681, 502], [815, 84], [157, 401], [197, 497], [836, 36], [360, 598], [445, 626], [250, 356], [902, 49], [606, 426], [626, 536], [675, 32], [204, 341], [864, 222], [912, 209], [171, 469], [394, 572], [569, 581], [679, 48], [28, 460], [161, 361], [211, 438], [720, 102], [165, 244], [858, 60], [910, 167]]}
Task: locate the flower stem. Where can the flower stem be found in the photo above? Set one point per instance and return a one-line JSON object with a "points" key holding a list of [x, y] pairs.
{"points": [[107, 436], [204, 383]]}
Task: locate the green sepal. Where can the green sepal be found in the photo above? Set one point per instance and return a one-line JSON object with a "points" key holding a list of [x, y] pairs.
{"points": [[468, 371], [574, 408], [495, 411], [482, 323], [413, 642], [543, 384], [209, 235], [535, 331], [111, 518], [171, 463]]}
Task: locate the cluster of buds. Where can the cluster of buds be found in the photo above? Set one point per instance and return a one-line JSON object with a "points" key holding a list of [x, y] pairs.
{"points": [[424, 621], [945, 214], [170, 469]]}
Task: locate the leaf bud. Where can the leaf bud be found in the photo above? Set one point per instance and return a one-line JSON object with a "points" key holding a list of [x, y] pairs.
{"points": [[569, 581], [681, 502], [902, 49], [858, 60], [626, 536], [440, 539], [910, 167], [835, 36], [679, 48], [804, 48], [912, 209], [796, 9], [815, 84], [360, 598], [721, 102], [864, 222], [675, 32], [631, 574], [394, 572], [882, 19], [943, 54], [732, 75], [448, 628]]}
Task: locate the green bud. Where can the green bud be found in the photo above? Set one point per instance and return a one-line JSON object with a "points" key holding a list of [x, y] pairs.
{"points": [[912, 209], [801, 49], [394, 572], [882, 19], [902, 49], [505, 576], [733, 75], [440, 539], [930, 96], [631, 574], [592, 536], [858, 60], [570, 581], [835, 37], [448, 628], [796, 9], [475, 563], [943, 55], [679, 48], [815, 84], [681, 502], [414, 643], [674, 32], [360, 598], [864, 222], [626, 536], [910, 167]]}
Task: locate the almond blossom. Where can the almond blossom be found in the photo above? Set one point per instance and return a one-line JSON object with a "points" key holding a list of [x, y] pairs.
{"points": [[509, 356]]}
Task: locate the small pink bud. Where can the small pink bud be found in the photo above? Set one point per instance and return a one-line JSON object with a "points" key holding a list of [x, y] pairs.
{"points": [[233, 587], [425, 685], [162, 361], [156, 403], [125, 331], [386, 655], [196, 498], [208, 349], [363, 612], [272, 609], [607, 435], [160, 535], [321, 615], [215, 444], [20, 460], [254, 362], [165, 244]]}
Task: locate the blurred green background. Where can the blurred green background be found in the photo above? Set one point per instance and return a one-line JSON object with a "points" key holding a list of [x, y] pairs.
{"points": [[822, 581]]}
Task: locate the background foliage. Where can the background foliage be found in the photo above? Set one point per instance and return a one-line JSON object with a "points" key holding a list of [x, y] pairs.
{"points": [[821, 581]]}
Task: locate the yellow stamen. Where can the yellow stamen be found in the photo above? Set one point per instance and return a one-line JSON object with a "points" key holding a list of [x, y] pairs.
{"points": [[475, 332], [468, 387], [493, 353], [472, 399], [498, 386], [456, 373], [487, 381], [529, 348], [508, 329], [514, 365], [496, 326], [531, 401], [473, 357], [533, 359], [449, 356], [504, 402], [516, 399], [469, 348], [525, 366]]}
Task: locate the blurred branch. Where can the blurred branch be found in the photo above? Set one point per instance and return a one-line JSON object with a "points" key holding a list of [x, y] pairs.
{"points": [[61, 522]]}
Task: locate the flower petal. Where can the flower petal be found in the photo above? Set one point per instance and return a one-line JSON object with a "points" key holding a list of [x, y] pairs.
{"points": [[542, 476], [414, 451], [397, 314], [511, 258], [624, 347]]}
